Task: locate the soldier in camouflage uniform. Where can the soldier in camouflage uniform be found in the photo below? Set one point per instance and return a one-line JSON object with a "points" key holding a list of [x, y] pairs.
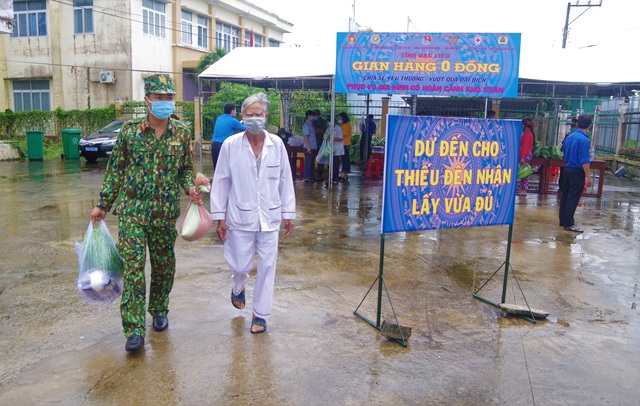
{"points": [[151, 159]]}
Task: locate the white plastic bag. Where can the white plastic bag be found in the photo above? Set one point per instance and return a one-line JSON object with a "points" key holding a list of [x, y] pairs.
{"points": [[296, 141], [100, 267], [324, 153]]}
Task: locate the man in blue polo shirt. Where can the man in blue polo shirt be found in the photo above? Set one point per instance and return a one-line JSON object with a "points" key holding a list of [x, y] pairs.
{"points": [[577, 159], [226, 125], [310, 147]]}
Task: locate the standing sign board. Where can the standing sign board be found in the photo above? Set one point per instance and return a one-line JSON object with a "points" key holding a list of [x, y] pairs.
{"points": [[440, 172], [437, 64], [449, 172]]}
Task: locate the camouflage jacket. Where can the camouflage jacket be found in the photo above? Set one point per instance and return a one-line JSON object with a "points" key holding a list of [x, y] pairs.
{"points": [[320, 125], [144, 173]]}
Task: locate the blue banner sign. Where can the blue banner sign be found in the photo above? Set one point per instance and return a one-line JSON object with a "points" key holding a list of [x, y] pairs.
{"points": [[449, 172], [437, 64]]}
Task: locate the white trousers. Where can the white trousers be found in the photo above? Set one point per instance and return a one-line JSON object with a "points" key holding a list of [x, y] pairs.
{"points": [[239, 251]]}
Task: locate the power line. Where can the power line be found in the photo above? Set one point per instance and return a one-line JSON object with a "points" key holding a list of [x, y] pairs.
{"points": [[565, 31], [63, 65], [130, 17]]}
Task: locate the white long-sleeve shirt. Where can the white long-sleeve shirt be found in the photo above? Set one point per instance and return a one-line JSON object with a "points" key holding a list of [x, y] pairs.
{"points": [[253, 194]]}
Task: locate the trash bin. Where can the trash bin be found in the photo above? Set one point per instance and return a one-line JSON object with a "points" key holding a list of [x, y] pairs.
{"points": [[35, 145], [70, 140]]}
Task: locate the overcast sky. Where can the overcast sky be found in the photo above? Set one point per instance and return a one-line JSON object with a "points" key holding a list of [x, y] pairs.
{"points": [[540, 21], [605, 37]]}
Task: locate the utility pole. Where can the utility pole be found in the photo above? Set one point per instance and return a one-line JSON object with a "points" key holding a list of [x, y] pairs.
{"points": [[353, 25], [354, 10], [565, 31]]}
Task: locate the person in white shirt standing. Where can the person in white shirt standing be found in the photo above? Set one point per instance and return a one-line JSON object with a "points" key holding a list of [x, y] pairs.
{"points": [[251, 196]]}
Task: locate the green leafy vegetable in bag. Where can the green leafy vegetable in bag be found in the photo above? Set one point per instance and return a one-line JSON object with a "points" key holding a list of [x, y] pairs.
{"points": [[101, 268], [324, 153], [536, 150], [524, 171]]}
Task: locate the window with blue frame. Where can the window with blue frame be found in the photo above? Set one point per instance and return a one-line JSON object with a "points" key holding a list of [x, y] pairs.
{"points": [[83, 16], [31, 95], [30, 19]]}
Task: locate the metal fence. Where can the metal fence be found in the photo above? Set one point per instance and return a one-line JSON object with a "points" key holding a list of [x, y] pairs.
{"points": [[606, 125], [356, 112], [616, 127], [631, 144]]}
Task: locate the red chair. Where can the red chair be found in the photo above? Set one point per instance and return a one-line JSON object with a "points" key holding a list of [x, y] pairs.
{"points": [[374, 168], [379, 156]]}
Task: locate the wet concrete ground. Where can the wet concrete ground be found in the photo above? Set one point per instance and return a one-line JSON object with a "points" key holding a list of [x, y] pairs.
{"points": [[55, 349]]}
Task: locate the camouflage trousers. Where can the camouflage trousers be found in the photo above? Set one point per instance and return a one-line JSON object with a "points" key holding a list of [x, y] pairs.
{"points": [[133, 240]]}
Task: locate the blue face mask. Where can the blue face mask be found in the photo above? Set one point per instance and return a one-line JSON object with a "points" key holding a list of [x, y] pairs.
{"points": [[163, 109]]}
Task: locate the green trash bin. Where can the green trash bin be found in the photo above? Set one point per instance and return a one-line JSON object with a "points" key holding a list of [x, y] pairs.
{"points": [[35, 145], [70, 140]]}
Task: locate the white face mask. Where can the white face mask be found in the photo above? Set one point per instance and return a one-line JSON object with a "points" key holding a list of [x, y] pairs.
{"points": [[254, 124]]}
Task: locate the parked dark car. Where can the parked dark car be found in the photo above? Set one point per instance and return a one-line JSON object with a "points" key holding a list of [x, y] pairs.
{"points": [[100, 143]]}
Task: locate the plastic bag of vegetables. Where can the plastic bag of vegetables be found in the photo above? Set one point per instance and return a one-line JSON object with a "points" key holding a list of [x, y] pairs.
{"points": [[324, 153], [524, 171], [101, 268]]}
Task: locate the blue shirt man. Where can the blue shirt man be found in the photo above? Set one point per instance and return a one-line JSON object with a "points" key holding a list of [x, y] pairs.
{"points": [[226, 125], [368, 128], [576, 172], [310, 147], [577, 149]]}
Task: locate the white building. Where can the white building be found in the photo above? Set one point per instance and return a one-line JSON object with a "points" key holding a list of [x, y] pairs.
{"points": [[79, 54]]}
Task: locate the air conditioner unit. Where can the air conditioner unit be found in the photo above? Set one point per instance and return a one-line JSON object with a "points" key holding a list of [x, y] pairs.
{"points": [[107, 76]]}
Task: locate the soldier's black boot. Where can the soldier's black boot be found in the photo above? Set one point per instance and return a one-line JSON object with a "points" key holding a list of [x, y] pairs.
{"points": [[160, 323], [134, 343]]}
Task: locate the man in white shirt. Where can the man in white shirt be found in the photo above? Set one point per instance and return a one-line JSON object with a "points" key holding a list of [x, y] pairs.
{"points": [[251, 195]]}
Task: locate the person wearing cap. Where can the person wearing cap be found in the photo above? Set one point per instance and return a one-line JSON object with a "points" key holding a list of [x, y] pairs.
{"points": [[252, 195], [151, 160], [226, 125]]}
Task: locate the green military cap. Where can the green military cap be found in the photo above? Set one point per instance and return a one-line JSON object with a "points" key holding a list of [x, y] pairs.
{"points": [[160, 83]]}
